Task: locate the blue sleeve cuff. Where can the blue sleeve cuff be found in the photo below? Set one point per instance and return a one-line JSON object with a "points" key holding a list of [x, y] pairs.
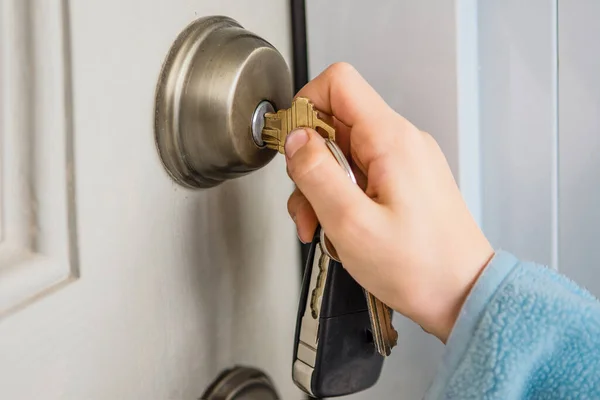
{"points": [[491, 279]]}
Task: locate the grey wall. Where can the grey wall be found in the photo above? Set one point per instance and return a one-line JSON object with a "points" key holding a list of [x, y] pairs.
{"points": [[517, 80], [579, 141], [540, 132]]}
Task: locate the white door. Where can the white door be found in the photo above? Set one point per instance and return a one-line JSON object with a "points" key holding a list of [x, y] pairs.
{"points": [[115, 282]]}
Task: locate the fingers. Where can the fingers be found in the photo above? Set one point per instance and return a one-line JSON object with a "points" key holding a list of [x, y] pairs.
{"points": [[343, 93], [334, 198], [303, 215], [375, 128]]}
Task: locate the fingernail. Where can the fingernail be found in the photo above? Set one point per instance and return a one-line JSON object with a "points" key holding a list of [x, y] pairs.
{"points": [[294, 141]]}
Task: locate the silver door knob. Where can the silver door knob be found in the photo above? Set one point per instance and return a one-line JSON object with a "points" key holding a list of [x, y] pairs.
{"points": [[241, 383], [214, 78]]}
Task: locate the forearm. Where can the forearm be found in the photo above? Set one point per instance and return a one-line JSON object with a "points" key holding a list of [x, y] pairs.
{"points": [[524, 332]]}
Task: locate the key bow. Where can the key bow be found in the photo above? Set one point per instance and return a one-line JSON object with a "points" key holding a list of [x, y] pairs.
{"points": [[301, 114]]}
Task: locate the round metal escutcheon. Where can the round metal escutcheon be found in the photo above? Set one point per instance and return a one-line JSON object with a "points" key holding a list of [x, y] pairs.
{"points": [[241, 383], [215, 76]]}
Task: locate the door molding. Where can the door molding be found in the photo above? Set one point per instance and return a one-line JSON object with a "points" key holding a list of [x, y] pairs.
{"points": [[38, 236]]}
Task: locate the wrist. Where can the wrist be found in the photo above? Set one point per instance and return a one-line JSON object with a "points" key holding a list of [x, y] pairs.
{"points": [[443, 308]]}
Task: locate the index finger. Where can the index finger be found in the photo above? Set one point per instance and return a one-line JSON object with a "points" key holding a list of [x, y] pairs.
{"points": [[342, 92]]}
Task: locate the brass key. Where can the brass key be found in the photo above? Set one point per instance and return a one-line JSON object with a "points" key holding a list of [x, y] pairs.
{"points": [[277, 127], [385, 336], [301, 114], [315, 306]]}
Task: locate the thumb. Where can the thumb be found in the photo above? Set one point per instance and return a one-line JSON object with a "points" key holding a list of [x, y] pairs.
{"points": [[336, 200]]}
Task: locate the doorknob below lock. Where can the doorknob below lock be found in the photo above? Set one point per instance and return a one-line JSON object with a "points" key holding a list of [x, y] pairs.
{"points": [[241, 383], [216, 75]]}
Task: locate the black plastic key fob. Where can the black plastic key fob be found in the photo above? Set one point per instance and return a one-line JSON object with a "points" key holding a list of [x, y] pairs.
{"points": [[334, 354]]}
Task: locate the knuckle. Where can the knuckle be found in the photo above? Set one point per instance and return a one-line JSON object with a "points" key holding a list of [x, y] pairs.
{"points": [[423, 135], [341, 69], [427, 139]]}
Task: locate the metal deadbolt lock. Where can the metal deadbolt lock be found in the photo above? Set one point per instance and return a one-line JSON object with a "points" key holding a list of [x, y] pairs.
{"points": [[215, 86]]}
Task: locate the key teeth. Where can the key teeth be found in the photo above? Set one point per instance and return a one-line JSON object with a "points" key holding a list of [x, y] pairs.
{"points": [[271, 141], [385, 336], [273, 145], [393, 331], [315, 308]]}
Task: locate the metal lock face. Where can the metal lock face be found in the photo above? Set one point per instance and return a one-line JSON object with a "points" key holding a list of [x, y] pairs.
{"points": [[214, 78]]}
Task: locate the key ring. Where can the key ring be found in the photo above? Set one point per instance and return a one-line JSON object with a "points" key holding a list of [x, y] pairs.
{"points": [[326, 245]]}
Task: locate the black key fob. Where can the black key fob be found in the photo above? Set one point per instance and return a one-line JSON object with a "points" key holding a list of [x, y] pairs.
{"points": [[334, 353]]}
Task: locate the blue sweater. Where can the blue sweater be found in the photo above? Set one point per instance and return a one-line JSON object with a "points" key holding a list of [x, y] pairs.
{"points": [[525, 332]]}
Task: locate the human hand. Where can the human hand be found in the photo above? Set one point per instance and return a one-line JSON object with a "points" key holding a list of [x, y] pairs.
{"points": [[404, 233]]}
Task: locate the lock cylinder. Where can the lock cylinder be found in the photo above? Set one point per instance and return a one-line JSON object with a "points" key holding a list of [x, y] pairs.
{"points": [[258, 121], [217, 79]]}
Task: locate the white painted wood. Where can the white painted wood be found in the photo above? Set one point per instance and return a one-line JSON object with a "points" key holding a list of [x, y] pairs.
{"points": [[38, 250], [517, 50], [174, 285], [579, 141]]}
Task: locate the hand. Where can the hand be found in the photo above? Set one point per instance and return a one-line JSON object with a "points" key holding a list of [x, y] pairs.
{"points": [[405, 233]]}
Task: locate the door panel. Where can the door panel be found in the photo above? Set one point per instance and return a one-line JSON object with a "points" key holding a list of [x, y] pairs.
{"points": [[173, 285], [38, 247]]}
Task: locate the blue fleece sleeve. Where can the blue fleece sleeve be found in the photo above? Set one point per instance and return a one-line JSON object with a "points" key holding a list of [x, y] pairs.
{"points": [[524, 332]]}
